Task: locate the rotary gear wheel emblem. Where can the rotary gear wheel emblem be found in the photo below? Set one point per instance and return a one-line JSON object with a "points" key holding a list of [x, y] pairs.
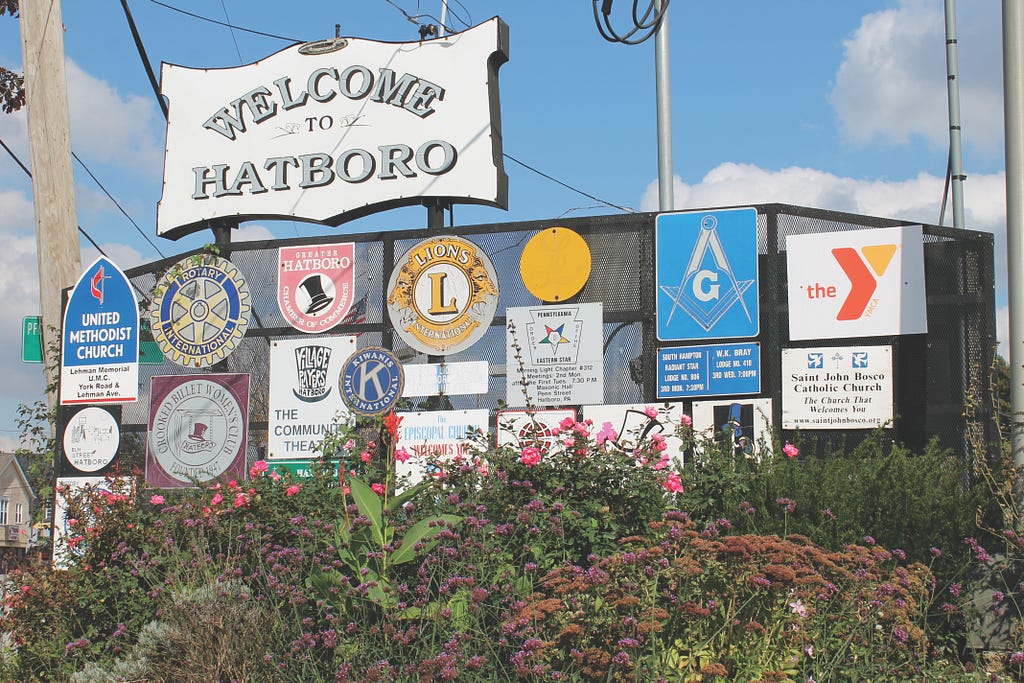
{"points": [[200, 311]]}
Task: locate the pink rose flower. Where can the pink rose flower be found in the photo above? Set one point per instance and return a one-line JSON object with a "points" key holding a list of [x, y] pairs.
{"points": [[530, 456], [275, 475], [217, 499], [651, 412], [241, 499], [790, 450], [673, 484], [292, 490], [402, 455], [686, 420], [364, 456], [156, 499], [258, 468], [378, 489]]}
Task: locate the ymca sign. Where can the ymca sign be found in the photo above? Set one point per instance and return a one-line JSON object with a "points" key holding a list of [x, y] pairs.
{"points": [[337, 129]]}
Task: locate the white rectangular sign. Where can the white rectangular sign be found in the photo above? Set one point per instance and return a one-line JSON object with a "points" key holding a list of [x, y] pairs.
{"points": [[305, 400], [538, 428], [437, 435], [453, 379], [632, 425], [336, 129], [746, 423], [846, 387], [858, 283], [561, 358]]}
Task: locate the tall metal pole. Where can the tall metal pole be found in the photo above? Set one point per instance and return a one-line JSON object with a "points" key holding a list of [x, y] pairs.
{"points": [[49, 141], [956, 171], [663, 93], [1013, 116]]}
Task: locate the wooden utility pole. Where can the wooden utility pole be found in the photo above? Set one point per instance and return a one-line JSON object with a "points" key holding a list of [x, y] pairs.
{"points": [[49, 138]]}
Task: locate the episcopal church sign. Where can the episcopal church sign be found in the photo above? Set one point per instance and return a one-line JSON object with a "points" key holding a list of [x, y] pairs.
{"points": [[333, 130]]}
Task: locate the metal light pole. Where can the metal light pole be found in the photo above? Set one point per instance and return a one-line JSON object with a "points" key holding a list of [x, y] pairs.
{"points": [[956, 172], [663, 94], [1013, 115]]}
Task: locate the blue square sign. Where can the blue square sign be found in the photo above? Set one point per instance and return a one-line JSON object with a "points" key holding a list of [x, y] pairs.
{"points": [[706, 275]]}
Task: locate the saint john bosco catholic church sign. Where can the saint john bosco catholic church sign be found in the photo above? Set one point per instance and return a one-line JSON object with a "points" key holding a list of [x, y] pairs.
{"points": [[336, 129]]}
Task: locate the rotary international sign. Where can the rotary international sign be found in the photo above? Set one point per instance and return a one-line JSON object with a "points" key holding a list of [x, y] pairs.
{"points": [[334, 130], [200, 311]]}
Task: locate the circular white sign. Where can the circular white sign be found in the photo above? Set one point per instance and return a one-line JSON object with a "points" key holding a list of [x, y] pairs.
{"points": [[91, 439]]}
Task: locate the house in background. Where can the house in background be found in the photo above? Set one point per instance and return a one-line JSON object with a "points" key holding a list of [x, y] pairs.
{"points": [[15, 521]]}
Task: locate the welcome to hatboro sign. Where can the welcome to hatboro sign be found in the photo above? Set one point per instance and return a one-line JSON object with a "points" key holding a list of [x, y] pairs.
{"points": [[330, 131]]}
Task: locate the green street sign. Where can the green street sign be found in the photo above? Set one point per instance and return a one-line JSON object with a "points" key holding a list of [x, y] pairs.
{"points": [[149, 353], [32, 339], [301, 469]]}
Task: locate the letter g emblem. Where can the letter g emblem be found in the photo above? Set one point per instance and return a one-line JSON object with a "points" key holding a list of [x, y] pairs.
{"points": [[702, 292]]}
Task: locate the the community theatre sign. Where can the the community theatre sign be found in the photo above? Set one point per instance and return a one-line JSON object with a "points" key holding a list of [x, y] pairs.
{"points": [[334, 130]]}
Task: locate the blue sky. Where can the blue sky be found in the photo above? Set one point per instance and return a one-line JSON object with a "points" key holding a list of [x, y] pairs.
{"points": [[837, 105]]}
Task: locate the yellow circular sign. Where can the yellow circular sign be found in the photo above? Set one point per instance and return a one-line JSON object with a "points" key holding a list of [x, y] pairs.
{"points": [[555, 264]]}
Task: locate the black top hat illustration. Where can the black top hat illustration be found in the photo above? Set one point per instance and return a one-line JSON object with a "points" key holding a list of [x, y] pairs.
{"points": [[198, 431], [318, 300]]}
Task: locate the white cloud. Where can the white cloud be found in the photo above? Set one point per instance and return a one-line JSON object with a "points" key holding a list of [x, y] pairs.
{"points": [[251, 232], [891, 85], [121, 254], [109, 128]]}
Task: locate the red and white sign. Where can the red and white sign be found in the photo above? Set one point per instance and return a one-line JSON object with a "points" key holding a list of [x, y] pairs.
{"points": [[315, 284], [334, 130], [862, 283]]}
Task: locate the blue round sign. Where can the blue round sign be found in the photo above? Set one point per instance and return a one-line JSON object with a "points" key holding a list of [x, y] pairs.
{"points": [[371, 381]]}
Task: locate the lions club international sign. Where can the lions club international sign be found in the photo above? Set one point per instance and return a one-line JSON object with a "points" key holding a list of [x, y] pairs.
{"points": [[442, 295], [334, 130], [200, 311]]}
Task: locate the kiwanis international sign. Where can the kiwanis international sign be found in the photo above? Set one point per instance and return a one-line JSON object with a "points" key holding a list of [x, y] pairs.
{"points": [[333, 130]]}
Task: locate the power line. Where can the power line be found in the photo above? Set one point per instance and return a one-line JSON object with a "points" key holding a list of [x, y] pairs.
{"points": [[231, 29], [567, 186], [87, 236], [117, 204], [221, 23]]}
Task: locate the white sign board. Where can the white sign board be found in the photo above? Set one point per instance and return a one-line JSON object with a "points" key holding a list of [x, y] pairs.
{"points": [[561, 359], [837, 387], [437, 435], [746, 423], [537, 428], [453, 379], [334, 130], [858, 283], [69, 529], [632, 425], [305, 401]]}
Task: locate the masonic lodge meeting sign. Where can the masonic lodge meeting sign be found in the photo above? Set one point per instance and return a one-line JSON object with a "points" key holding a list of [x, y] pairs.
{"points": [[336, 129]]}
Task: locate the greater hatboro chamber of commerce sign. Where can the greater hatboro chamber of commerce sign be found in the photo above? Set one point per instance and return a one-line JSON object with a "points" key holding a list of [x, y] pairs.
{"points": [[334, 130]]}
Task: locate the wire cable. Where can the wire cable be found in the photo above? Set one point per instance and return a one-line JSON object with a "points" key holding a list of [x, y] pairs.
{"points": [[567, 186], [645, 23], [145, 296], [221, 23], [231, 29], [145, 58], [117, 204]]}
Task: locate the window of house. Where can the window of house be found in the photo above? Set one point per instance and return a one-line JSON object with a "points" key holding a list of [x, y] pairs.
{"points": [[19, 513], [4, 504]]}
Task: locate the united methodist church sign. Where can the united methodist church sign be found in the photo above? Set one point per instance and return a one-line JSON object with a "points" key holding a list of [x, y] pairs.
{"points": [[337, 129]]}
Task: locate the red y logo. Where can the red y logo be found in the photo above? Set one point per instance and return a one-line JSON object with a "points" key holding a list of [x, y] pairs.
{"points": [[862, 282]]}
